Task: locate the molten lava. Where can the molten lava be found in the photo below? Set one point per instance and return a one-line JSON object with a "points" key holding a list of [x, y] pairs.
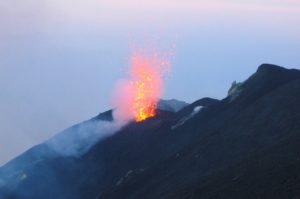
{"points": [[146, 86], [137, 97]]}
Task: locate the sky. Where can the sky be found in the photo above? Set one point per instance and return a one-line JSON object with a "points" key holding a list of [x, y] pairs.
{"points": [[60, 60]]}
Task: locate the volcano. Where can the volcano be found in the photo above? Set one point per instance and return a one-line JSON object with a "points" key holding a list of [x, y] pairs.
{"points": [[243, 146]]}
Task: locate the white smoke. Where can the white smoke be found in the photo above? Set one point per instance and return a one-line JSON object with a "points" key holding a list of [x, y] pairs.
{"points": [[122, 99], [78, 139], [196, 110]]}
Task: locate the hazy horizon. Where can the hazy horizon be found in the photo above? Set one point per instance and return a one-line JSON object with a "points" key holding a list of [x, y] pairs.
{"points": [[60, 60]]}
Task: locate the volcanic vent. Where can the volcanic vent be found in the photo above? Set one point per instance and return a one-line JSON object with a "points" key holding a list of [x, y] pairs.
{"points": [[138, 96]]}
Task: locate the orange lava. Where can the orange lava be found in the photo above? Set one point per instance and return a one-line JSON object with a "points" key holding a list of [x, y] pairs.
{"points": [[146, 86]]}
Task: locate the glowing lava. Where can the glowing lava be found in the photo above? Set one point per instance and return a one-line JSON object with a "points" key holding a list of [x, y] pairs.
{"points": [[146, 86], [137, 97]]}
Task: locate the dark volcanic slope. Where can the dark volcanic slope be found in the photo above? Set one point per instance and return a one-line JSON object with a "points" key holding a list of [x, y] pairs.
{"points": [[233, 149], [244, 146]]}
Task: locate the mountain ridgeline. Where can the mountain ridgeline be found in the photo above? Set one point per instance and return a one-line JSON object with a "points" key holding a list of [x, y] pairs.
{"points": [[243, 146]]}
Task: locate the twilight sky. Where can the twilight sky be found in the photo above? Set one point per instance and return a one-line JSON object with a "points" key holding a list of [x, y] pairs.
{"points": [[59, 60]]}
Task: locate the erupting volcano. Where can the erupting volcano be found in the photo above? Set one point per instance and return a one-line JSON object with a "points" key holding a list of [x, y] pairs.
{"points": [[138, 97], [146, 84]]}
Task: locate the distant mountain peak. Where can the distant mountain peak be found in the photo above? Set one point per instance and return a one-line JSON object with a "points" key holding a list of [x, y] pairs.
{"points": [[267, 78], [172, 105], [105, 116], [270, 67]]}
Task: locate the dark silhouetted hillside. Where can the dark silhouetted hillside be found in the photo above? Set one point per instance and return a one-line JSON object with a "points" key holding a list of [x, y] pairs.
{"points": [[244, 146]]}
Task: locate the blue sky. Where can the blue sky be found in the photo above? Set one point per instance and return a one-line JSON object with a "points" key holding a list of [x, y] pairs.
{"points": [[59, 60]]}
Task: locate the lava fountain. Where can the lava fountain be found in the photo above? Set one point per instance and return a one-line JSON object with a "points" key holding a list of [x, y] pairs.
{"points": [[137, 97], [146, 84]]}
